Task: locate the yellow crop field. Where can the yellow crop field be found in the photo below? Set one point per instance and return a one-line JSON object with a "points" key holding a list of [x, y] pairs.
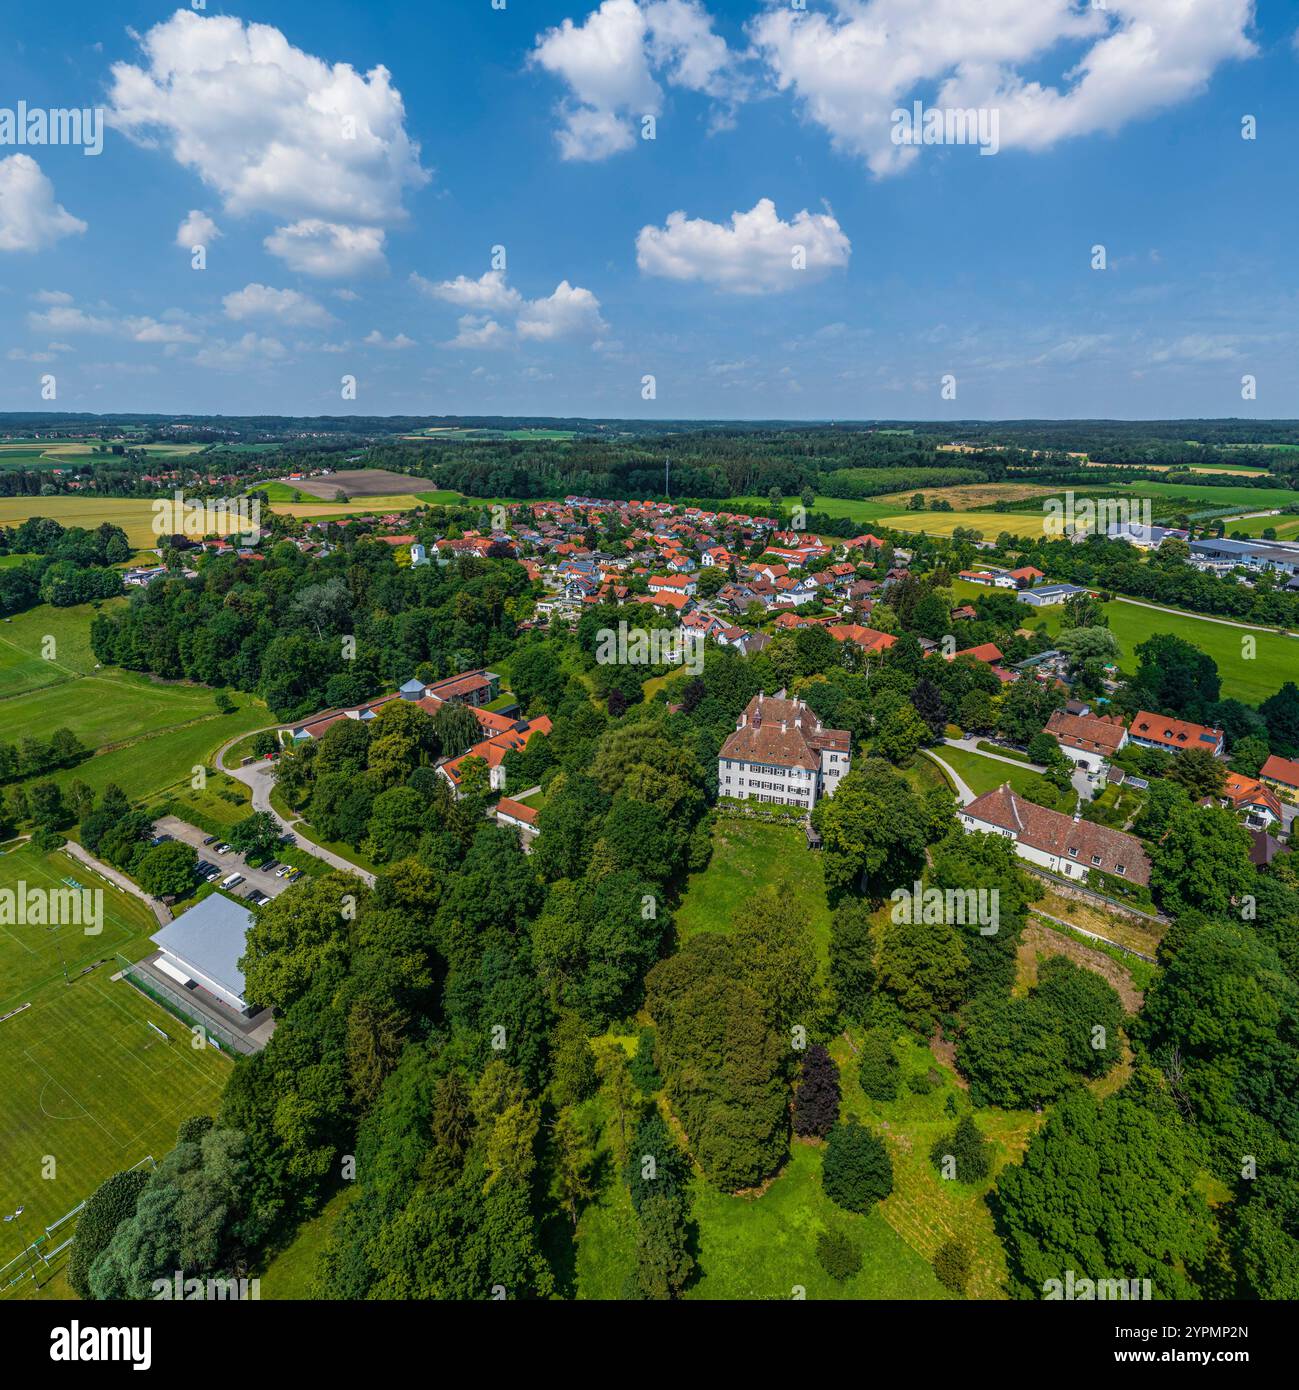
{"points": [[133, 514], [991, 524], [964, 495]]}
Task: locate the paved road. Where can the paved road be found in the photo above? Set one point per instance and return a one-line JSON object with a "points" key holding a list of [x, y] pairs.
{"points": [[260, 777], [160, 910], [963, 793], [230, 862]]}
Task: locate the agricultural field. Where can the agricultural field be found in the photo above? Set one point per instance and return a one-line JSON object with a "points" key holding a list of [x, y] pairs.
{"points": [[990, 524], [967, 496], [135, 515], [1286, 527], [445, 433], [87, 1081], [327, 511], [1216, 499], [1253, 679], [356, 482]]}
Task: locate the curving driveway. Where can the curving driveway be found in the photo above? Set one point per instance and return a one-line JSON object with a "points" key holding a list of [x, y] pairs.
{"points": [[963, 793], [259, 777]]}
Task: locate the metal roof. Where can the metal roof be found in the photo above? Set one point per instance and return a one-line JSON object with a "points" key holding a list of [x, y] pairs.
{"points": [[210, 937]]}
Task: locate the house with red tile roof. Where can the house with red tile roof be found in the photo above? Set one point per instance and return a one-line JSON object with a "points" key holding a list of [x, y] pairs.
{"points": [[1282, 775], [1248, 796], [1090, 740], [1173, 735], [867, 638], [493, 750], [987, 652], [1064, 845]]}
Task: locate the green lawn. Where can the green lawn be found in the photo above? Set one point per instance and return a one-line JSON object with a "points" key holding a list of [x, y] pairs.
{"points": [[86, 1082], [110, 707], [157, 762], [44, 646], [765, 1247], [747, 855], [983, 774], [291, 1272]]}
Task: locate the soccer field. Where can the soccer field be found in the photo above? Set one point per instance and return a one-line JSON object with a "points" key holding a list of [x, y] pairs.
{"points": [[86, 1085]]}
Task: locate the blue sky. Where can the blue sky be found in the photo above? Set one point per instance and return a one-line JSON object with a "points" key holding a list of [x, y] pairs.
{"points": [[349, 173]]}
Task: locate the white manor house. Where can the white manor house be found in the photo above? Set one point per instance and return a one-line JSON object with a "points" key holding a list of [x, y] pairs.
{"points": [[781, 752]]}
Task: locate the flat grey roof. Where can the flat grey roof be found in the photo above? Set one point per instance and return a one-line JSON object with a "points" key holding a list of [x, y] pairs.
{"points": [[210, 937]]}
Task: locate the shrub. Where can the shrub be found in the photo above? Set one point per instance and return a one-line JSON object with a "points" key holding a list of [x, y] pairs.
{"points": [[969, 1149], [857, 1171], [643, 1071], [839, 1257], [952, 1265], [816, 1102], [878, 1068], [112, 1203]]}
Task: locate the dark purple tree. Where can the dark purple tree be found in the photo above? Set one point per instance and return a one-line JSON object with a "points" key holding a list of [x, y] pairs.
{"points": [[816, 1102]]}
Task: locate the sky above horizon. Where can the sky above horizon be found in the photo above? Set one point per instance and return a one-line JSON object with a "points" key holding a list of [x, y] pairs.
{"points": [[498, 208]]}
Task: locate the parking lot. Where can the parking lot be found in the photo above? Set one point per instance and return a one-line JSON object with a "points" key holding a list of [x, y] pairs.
{"points": [[231, 862]]}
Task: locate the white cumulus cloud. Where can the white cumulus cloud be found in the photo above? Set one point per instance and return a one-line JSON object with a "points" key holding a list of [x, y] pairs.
{"points": [[476, 331], [198, 229], [570, 312], [271, 128], [756, 253], [489, 293], [851, 69], [376, 339], [30, 219], [614, 64], [327, 250], [256, 301]]}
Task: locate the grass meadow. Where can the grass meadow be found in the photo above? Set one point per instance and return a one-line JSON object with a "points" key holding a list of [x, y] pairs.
{"points": [[148, 735], [89, 1086]]}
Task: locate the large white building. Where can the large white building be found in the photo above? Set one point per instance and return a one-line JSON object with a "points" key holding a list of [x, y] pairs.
{"points": [[780, 752]]}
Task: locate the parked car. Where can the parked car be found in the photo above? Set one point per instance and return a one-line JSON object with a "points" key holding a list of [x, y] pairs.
{"points": [[232, 882], [223, 848], [210, 840], [295, 875]]}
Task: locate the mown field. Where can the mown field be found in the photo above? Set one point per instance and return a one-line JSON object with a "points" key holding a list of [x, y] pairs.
{"points": [[763, 1244], [86, 1082], [1250, 678], [44, 646], [155, 733]]}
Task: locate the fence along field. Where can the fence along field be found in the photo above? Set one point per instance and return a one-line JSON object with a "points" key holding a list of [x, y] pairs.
{"points": [[86, 1081]]}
